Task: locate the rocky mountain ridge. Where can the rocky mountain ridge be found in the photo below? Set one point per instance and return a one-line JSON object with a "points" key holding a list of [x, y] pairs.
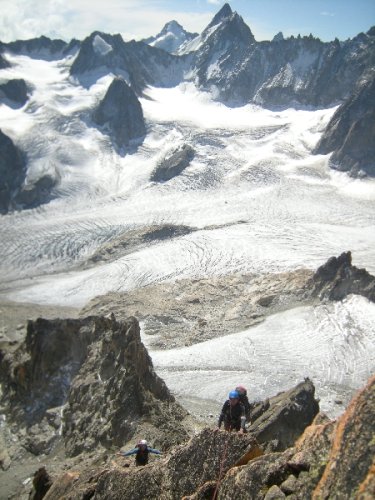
{"points": [[227, 61], [300, 71]]}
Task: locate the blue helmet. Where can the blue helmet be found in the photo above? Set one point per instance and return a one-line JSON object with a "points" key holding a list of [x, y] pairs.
{"points": [[233, 395]]}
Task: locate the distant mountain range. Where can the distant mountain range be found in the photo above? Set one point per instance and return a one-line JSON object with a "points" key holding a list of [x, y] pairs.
{"points": [[226, 60]]}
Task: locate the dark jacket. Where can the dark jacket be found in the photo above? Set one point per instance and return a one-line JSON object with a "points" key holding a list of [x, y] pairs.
{"points": [[232, 416], [141, 454]]}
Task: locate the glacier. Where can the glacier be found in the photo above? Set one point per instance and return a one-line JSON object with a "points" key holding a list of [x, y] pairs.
{"points": [[258, 200]]}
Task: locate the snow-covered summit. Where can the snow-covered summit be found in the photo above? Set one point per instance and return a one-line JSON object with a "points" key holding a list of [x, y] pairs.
{"points": [[227, 28], [171, 37]]}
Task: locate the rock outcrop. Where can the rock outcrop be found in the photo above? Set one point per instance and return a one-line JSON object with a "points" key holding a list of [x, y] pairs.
{"points": [[338, 278], [14, 193], [284, 417], [130, 241], [350, 133], [35, 193], [330, 460], [12, 171], [350, 471], [89, 383], [14, 91], [120, 114], [173, 164], [3, 62]]}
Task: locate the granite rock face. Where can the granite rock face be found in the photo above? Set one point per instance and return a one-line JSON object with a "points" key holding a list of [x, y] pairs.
{"points": [[350, 471], [120, 113], [283, 72], [89, 383], [14, 91], [350, 134], [338, 278], [292, 72], [285, 416], [12, 171]]}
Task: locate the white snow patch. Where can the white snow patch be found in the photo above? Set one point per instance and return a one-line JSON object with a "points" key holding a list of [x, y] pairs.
{"points": [[100, 46]]}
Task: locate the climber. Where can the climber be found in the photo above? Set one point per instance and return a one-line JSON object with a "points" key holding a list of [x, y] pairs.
{"points": [[233, 413], [242, 391], [141, 452]]}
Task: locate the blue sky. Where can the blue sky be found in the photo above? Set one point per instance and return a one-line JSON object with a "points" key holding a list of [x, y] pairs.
{"points": [[67, 19]]}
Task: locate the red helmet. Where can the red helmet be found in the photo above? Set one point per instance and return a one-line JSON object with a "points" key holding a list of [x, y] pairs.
{"points": [[242, 391]]}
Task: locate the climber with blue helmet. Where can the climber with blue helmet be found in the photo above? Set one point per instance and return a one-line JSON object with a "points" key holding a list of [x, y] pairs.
{"points": [[233, 413]]}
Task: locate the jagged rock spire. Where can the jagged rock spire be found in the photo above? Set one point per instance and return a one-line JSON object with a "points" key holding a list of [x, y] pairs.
{"points": [[223, 13], [121, 113]]}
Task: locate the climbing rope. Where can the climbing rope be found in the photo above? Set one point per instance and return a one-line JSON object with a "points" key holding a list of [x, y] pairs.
{"points": [[222, 463]]}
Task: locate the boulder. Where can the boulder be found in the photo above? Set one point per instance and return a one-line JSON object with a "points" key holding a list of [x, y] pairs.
{"points": [[285, 417], [120, 114], [173, 164]]}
